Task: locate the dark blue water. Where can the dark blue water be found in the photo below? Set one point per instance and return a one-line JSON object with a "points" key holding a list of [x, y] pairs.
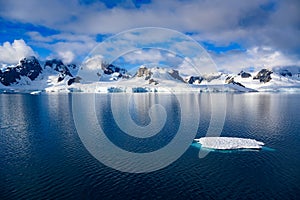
{"points": [[42, 156]]}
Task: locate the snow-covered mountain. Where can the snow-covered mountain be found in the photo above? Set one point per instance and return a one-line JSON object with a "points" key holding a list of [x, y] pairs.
{"points": [[27, 67], [267, 80], [30, 74], [54, 76]]}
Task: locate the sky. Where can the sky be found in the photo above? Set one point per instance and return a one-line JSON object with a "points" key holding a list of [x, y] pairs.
{"points": [[237, 34]]}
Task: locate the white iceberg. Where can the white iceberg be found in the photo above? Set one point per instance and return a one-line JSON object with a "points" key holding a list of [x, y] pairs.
{"points": [[36, 92], [225, 143]]}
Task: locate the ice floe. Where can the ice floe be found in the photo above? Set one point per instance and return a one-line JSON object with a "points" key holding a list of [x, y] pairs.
{"points": [[225, 143]]}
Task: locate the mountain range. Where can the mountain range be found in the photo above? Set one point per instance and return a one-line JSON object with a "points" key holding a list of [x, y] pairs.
{"points": [[33, 76]]}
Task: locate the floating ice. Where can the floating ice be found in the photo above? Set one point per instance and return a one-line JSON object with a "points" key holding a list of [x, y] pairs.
{"points": [[36, 92], [223, 143]]}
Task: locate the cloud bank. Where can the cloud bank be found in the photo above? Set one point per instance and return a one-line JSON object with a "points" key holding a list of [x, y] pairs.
{"points": [[254, 24], [11, 53]]}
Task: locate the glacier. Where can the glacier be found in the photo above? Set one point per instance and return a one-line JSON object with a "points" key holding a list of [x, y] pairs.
{"points": [[229, 143]]}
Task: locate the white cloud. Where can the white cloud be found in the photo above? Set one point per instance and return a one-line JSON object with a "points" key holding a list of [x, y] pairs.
{"points": [[69, 47], [220, 22], [198, 65], [66, 56], [95, 18], [11, 53], [143, 57], [36, 36], [256, 57]]}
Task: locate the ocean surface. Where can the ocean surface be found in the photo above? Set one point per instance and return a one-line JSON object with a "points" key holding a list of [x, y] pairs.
{"points": [[42, 156]]}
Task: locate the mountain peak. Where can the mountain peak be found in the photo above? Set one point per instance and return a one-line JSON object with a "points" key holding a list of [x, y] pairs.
{"points": [[27, 67]]}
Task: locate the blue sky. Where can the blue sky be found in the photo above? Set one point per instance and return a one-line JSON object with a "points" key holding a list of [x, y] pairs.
{"points": [[237, 34]]}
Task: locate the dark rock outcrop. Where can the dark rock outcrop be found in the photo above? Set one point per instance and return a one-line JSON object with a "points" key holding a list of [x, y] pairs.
{"points": [[230, 80], [263, 76], [194, 79], [237, 83], [144, 71], [199, 79], [60, 67], [74, 80], [286, 72], [153, 81], [29, 67], [72, 66], [175, 74], [110, 69], [244, 74]]}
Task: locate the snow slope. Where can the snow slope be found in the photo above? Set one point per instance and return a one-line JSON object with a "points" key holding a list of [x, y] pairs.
{"points": [[277, 83], [155, 79]]}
